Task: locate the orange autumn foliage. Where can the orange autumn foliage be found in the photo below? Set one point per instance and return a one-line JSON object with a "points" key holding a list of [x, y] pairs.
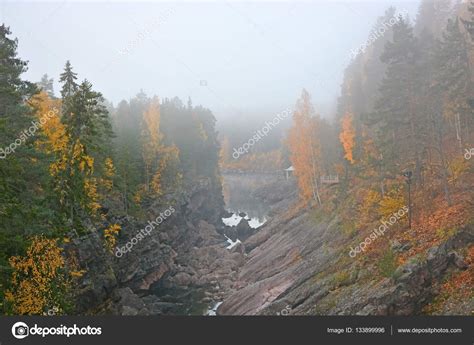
{"points": [[347, 136], [305, 148], [433, 226]]}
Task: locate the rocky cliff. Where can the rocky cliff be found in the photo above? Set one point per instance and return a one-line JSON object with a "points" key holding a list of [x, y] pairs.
{"points": [[181, 262], [298, 264]]}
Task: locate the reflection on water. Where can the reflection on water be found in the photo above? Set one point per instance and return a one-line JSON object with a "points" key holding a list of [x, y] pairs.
{"points": [[239, 196]]}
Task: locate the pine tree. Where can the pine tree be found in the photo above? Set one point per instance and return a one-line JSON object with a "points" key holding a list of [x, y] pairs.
{"points": [[449, 110], [452, 76], [399, 131], [88, 132], [433, 16], [128, 163], [68, 79], [23, 207]]}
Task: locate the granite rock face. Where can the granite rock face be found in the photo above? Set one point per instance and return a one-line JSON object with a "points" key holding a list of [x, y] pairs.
{"points": [[295, 264], [301, 266], [186, 252]]}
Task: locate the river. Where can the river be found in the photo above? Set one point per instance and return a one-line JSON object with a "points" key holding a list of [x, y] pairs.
{"points": [[241, 201], [243, 205]]}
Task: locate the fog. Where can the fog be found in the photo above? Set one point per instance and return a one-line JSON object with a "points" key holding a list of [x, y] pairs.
{"points": [[232, 57], [271, 158]]}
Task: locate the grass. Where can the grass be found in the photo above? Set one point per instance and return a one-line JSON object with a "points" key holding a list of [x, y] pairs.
{"points": [[388, 264], [341, 278]]}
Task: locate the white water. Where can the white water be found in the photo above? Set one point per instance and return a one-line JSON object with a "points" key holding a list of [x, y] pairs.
{"points": [[232, 244], [255, 223], [213, 311], [235, 219]]}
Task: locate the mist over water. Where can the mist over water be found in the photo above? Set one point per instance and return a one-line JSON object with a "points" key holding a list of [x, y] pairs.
{"points": [[240, 198]]}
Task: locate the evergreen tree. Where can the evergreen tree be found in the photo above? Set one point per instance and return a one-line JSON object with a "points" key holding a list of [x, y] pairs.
{"points": [[433, 16], [22, 205], [46, 85], [88, 132], [399, 131], [452, 77], [68, 79]]}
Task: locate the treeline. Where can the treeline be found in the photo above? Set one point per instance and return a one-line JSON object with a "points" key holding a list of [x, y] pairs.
{"points": [[163, 147], [422, 117], [56, 169], [405, 116], [70, 163], [406, 105]]}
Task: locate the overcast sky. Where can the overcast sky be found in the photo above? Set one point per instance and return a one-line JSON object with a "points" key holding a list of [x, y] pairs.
{"points": [[224, 55]]}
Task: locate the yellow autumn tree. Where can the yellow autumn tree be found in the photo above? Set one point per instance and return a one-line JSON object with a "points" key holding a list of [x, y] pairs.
{"points": [[69, 158], [54, 139], [166, 170], [347, 136], [110, 236], [109, 174], [38, 278], [106, 181], [224, 153], [151, 140], [305, 149], [160, 161]]}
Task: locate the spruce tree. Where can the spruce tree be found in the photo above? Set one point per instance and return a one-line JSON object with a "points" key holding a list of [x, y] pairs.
{"points": [[46, 85], [88, 132], [68, 79], [399, 129], [21, 201]]}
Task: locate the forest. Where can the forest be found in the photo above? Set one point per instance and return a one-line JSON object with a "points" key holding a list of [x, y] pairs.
{"points": [[77, 170]]}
